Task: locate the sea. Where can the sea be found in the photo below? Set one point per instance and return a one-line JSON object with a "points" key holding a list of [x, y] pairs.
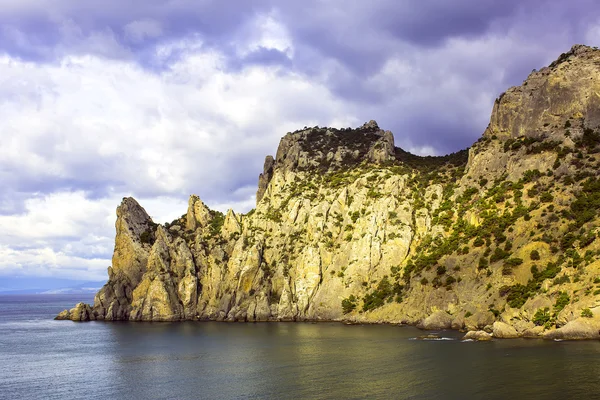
{"points": [[45, 359]]}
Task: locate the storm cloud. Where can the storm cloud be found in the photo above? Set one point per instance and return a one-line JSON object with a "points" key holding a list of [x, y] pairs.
{"points": [[161, 99]]}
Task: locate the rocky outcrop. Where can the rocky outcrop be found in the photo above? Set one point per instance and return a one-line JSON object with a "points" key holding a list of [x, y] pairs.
{"points": [[330, 149], [580, 328], [265, 178], [63, 315], [80, 313], [198, 215], [481, 336], [504, 331], [135, 233], [437, 320], [566, 89], [501, 239]]}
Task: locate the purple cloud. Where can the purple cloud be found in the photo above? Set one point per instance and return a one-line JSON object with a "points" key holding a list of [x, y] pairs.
{"points": [[159, 99]]}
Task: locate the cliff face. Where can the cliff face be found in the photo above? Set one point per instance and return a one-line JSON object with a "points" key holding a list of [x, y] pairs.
{"points": [[349, 227]]}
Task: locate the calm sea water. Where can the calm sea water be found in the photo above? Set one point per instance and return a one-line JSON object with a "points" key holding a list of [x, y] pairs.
{"points": [[45, 359]]}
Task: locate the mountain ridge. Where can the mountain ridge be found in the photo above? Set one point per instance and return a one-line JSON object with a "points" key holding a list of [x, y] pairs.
{"points": [[500, 237]]}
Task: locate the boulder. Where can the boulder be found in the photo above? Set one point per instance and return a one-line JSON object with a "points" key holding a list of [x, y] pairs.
{"points": [[63, 315], [477, 335], [504, 331], [581, 328], [437, 320], [81, 312], [479, 320], [534, 332]]}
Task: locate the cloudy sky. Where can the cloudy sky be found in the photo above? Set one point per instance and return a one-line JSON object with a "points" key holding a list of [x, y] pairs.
{"points": [[160, 99]]}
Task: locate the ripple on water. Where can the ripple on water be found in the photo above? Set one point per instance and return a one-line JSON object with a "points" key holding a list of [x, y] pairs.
{"points": [[46, 359]]}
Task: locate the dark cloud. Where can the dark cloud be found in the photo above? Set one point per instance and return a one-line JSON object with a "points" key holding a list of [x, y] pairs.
{"points": [[428, 70], [47, 30], [343, 45], [431, 22]]}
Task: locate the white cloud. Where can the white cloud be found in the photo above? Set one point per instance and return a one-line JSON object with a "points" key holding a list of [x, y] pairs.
{"points": [[267, 32], [80, 134], [90, 119], [67, 234], [422, 151], [45, 262], [61, 234]]}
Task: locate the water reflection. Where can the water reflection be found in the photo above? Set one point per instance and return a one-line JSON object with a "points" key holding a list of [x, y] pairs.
{"points": [[206, 360], [287, 360]]}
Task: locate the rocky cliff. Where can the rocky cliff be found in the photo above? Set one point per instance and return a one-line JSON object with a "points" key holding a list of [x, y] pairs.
{"points": [[502, 237]]}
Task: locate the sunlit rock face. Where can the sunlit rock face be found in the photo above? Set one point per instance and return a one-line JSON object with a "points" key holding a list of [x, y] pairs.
{"points": [[500, 238]]}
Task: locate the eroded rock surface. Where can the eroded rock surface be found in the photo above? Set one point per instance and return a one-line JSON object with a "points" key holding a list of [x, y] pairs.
{"points": [[500, 238]]}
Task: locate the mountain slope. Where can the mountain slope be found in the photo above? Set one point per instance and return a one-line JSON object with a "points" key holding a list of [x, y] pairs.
{"points": [[501, 237]]}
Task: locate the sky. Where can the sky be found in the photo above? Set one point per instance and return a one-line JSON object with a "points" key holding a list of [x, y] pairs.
{"points": [[162, 99]]}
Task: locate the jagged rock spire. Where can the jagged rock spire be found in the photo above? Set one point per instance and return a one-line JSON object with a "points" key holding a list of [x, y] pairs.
{"points": [[265, 178], [198, 213]]}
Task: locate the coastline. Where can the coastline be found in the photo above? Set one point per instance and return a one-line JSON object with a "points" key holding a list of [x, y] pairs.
{"points": [[575, 330]]}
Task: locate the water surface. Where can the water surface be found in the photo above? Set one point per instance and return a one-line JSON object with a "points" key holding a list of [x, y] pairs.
{"points": [[45, 359]]}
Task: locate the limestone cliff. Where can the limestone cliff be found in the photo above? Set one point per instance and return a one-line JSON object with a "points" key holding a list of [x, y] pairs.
{"points": [[502, 237]]}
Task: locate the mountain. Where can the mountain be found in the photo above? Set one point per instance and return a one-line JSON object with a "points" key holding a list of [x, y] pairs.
{"points": [[501, 237], [34, 285]]}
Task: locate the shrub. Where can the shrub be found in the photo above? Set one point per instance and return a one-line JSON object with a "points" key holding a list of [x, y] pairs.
{"points": [[517, 294], [478, 242], [483, 263], [534, 255], [531, 175], [383, 292], [587, 313], [567, 241], [513, 262], [561, 280], [586, 206], [146, 237], [498, 255], [586, 240], [349, 304], [541, 316], [561, 302], [546, 197], [589, 138], [468, 314]]}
